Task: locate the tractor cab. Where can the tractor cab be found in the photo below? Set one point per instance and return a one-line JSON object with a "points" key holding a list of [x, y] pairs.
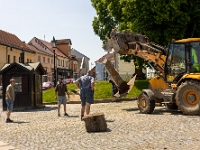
{"points": [[183, 57]]}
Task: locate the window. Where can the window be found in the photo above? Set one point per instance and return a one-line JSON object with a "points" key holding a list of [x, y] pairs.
{"points": [[43, 59], [52, 61], [63, 63], [68, 63], [48, 60], [30, 60], [38, 58], [18, 84], [175, 61], [195, 56], [8, 58], [14, 58], [27, 60], [19, 59]]}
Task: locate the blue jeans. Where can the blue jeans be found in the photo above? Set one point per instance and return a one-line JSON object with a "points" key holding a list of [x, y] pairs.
{"points": [[87, 96], [10, 104]]}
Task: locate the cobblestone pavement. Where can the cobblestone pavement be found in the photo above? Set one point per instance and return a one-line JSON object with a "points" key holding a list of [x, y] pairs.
{"points": [[127, 129]]}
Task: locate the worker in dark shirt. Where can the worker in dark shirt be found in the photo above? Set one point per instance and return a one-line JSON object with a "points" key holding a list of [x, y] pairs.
{"points": [[61, 91], [114, 88]]}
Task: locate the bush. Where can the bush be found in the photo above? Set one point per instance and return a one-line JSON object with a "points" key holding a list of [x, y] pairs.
{"points": [[49, 95], [103, 90]]}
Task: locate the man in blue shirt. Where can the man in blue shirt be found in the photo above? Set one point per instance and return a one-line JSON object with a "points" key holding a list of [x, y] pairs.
{"points": [[86, 85]]}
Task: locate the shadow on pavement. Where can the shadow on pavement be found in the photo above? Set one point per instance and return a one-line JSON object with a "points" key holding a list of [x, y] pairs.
{"points": [[46, 108], [71, 116], [161, 111], [110, 120], [164, 111], [158, 111], [20, 122], [108, 130], [131, 109]]}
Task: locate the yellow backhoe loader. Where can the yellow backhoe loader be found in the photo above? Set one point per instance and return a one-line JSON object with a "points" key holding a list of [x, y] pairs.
{"points": [[177, 84]]}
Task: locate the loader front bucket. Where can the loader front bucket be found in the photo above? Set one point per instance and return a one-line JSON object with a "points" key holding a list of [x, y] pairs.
{"points": [[111, 46], [123, 87], [122, 42]]}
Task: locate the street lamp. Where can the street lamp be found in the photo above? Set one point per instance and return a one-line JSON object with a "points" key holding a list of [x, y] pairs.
{"points": [[54, 59]]}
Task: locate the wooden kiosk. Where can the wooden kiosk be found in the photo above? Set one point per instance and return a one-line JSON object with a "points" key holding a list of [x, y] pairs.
{"points": [[28, 87]]}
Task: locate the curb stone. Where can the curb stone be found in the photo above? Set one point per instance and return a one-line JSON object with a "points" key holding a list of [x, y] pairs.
{"points": [[96, 101]]}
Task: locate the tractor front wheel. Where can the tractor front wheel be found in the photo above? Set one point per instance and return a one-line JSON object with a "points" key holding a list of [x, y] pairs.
{"points": [[187, 97], [146, 103]]}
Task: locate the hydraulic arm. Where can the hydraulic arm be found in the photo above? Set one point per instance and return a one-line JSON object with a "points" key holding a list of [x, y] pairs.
{"points": [[135, 44], [138, 45]]}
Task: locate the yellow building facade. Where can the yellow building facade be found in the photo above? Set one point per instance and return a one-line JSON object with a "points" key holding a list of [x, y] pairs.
{"points": [[10, 55], [12, 49]]}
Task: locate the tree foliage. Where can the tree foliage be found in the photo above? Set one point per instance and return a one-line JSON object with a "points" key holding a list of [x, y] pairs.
{"points": [[160, 20]]}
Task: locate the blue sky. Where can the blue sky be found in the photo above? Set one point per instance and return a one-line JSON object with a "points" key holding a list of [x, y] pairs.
{"points": [[63, 19]]}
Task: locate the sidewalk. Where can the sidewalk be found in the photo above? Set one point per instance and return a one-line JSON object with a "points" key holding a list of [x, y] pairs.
{"points": [[5, 146]]}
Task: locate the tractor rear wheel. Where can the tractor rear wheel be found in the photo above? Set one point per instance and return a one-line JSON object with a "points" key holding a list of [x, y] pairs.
{"points": [[146, 103], [187, 97]]}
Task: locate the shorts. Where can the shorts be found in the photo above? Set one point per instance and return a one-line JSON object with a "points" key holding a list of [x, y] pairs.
{"points": [[10, 104], [62, 100], [87, 96]]}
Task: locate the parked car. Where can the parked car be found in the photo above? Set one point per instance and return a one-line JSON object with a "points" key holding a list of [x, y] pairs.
{"points": [[47, 85], [73, 80], [68, 81], [1, 90]]}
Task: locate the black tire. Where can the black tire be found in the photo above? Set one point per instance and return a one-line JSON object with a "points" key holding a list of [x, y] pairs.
{"points": [[187, 97], [146, 104], [172, 106]]}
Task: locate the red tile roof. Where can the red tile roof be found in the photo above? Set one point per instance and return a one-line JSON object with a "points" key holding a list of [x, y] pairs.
{"points": [[57, 51], [36, 50], [12, 40]]}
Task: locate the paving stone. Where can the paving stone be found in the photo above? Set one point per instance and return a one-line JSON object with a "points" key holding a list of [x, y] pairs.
{"points": [[6, 146], [127, 129]]}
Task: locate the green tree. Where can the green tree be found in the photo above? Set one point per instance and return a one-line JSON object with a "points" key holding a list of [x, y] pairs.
{"points": [[104, 22], [161, 21]]}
